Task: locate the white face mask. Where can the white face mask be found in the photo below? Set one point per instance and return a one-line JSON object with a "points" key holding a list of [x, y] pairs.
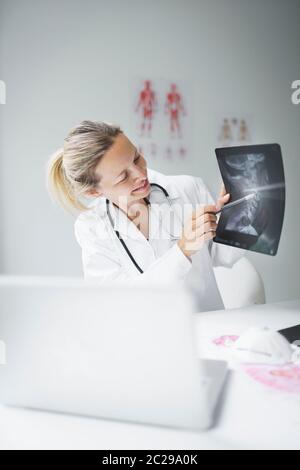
{"points": [[262, 346]]}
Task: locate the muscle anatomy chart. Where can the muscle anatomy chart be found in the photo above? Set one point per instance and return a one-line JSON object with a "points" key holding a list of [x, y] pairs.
{"points": [[147, 103], [174, 109], [161, 111]]}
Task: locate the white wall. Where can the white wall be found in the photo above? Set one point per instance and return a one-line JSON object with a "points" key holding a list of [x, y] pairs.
{"points": [[64, 61]]}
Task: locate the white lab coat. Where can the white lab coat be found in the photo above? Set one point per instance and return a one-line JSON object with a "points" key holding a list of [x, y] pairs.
{"points": [[161, 259]]}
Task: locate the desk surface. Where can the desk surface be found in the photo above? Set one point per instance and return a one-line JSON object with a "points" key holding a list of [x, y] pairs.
{"points": [[248, 416]]}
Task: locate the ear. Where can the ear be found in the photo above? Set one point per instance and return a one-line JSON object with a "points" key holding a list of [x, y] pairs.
{"points": [[93, 193]]}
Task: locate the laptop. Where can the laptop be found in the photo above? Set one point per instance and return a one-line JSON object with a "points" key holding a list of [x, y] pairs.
{"points": [[117, 352]]}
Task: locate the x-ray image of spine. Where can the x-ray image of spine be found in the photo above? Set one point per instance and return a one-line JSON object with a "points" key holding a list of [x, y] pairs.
{"points": [[255, 171], [147, 102], [244, 172], [174, 108]]}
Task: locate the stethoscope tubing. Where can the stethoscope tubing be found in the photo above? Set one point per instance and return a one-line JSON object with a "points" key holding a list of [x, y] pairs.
{"points": [[118, 233]]}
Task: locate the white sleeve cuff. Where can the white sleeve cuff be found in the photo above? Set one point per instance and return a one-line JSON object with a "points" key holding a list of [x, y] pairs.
{"points": [[225, 255], [172, 266]]}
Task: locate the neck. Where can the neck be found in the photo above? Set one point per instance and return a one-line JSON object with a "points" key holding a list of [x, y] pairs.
{"points": [[132, 208]]}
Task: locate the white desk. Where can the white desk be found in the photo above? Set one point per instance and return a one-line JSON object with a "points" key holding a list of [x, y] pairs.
{"points": [[248, 416]]}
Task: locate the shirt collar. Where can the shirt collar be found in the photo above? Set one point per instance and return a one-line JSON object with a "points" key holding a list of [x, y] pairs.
{"points": [[164, 181]]}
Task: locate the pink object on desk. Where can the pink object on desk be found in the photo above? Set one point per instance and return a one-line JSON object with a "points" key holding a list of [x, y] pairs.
{"points": [[285, 378], [225, 340]]}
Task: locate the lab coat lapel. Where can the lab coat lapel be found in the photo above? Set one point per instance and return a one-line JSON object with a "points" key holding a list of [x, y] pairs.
{"points": [[165, 221], [125, 226], [171, 226], [136, 242], [165, 225], [160, 226]]}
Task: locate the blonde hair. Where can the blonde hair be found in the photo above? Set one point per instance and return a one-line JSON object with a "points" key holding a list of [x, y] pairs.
{"points": [[70, 170]]}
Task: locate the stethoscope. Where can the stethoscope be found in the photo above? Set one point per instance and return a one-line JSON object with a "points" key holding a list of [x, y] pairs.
{"points": [[118, 233]]}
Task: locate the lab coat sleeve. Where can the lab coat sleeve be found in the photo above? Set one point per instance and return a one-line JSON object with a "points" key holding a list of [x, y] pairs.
{"points": [[100, 261], [221, 255]]}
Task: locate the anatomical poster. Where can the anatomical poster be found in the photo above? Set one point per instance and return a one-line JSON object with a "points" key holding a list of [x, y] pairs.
{"points": [[234, 129], [162, 118], [254, 177]]}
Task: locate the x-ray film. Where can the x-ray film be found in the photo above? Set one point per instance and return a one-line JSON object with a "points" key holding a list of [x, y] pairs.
{"points": [[254, 224]]}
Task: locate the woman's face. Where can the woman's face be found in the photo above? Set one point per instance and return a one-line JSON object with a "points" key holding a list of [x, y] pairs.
{"points": [[123, 172]]}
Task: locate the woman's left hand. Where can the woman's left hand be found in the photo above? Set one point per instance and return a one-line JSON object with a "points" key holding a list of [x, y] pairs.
{"points": [[223, 198]]}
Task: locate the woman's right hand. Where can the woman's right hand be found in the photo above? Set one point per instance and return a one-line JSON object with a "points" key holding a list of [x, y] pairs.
{"points": [[198, 228]]}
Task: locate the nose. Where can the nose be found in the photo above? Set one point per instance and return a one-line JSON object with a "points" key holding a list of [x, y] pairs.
{"points": [[139, 174]]}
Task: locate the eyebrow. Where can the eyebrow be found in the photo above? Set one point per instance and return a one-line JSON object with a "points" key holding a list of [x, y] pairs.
{"points": [[135, 154]]}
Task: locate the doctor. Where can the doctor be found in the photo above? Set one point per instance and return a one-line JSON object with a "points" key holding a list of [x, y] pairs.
{"points": [[142, 225]]}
